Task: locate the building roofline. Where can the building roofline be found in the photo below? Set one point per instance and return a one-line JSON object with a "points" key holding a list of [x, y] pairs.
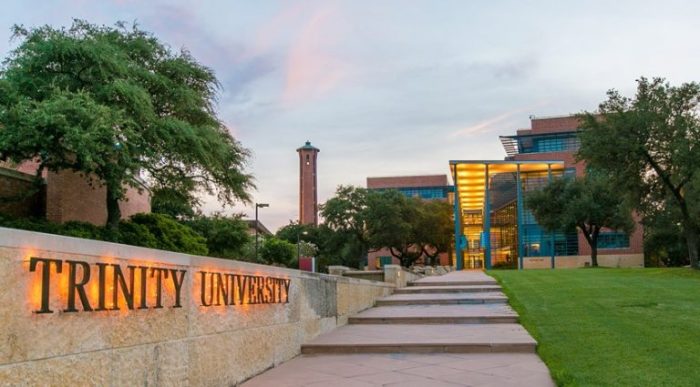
{"points": [[402, 176], [261, 227], [454, 162], [538, 134], [308, 146], [534, 117]]}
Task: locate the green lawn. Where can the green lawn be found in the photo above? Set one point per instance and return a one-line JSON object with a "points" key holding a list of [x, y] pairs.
{"points": [[612, 327]]}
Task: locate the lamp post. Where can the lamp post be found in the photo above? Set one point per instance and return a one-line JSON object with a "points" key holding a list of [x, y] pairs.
{"points": [[258, 205]]}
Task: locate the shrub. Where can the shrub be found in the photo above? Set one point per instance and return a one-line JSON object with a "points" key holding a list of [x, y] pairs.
{"points": [[147, 230], [131, 233], [171, 235], [226, 237], [278, 251], [505, 265], [82, 230]]}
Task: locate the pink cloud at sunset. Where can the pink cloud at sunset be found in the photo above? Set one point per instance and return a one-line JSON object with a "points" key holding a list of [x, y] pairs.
{"points": [[311, 70]]}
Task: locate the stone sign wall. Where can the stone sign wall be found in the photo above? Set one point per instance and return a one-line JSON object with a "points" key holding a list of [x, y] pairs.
{"points": [[82, 312]]}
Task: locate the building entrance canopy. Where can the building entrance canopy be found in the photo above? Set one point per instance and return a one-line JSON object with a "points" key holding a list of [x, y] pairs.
{"points": [[489, 215]]}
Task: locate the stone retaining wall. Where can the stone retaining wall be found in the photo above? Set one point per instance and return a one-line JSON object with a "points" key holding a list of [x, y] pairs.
{"points": [[149, 345], [575, 261]]}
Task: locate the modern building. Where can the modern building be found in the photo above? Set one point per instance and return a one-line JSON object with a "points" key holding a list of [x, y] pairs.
{"points": [[308, 186], [492, 226], [427, 187]]}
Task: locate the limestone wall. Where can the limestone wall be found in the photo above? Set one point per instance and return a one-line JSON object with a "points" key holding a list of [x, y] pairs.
{"points": [[149, 345], [574, 261]]}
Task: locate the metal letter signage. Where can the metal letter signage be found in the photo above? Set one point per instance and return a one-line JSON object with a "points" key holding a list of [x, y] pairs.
{"points": [[83, 287]]}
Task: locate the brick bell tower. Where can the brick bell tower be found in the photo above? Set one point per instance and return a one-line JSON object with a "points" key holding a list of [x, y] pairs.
{"points": [[308, 197]]}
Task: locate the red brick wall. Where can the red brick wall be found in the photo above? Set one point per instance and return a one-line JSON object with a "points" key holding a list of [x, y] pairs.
{"points": [[636, 241], [554, 124], [407, 181], [69, 197], [14, 198]]}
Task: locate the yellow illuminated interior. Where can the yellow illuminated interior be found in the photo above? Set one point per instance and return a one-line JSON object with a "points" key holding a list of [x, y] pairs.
{"points": [[470, 181]]}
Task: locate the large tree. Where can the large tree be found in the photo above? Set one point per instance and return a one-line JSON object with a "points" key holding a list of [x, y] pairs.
{"points": [[435, 229], [391, 222], [410, 228], [345, 215], [589, 203], [650, 146], [114, 103]]}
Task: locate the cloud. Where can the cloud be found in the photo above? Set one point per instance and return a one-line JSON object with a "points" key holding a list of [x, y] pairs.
{"points": [[311, 70], [495, 122], [238, 66]]}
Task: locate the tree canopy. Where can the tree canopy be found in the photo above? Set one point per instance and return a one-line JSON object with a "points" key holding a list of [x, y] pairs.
{"points": [[226, 236], [589, 203], [345, 217], [411, 228], [649, 146], [120, 107], [358, 221]]}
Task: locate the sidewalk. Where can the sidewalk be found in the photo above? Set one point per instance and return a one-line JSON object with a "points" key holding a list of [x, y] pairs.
{"points": [[451, 330]]}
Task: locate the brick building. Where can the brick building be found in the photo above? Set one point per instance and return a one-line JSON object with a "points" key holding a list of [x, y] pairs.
{"points": [[493, 227], [64, 196]]}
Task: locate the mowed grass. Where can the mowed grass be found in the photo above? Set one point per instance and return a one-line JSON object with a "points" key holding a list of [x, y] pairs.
{"points": [[612, 327]]}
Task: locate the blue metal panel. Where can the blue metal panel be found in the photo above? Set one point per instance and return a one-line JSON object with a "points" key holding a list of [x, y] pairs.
{"points": [[551, 233], [487, 222], [519, 215]]}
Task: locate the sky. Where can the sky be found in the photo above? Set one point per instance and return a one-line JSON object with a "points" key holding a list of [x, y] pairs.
{"points": [[399, 87]]}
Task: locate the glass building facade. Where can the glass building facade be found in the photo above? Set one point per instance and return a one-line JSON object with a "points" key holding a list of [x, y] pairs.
{"points": [[427, 193], [541, 143], [492, 225]]}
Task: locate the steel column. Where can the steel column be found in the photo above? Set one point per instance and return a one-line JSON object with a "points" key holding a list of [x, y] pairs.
{"points": [[519, 216], [487, 222], [551, 233], [459, 260]]}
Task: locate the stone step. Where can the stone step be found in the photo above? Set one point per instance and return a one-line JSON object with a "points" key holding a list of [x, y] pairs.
{"points": [[423, 338], [437, 314], [443, 299], [448, 289], [451, 283]]}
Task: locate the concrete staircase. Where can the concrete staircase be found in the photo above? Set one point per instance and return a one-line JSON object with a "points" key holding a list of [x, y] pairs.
{"points": [[460, 312]]}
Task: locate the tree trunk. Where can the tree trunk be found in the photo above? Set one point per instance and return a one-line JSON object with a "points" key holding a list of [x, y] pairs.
{"points": [[594, 254], [692, 240], [594, 247], [114, 213], [591, 235]]}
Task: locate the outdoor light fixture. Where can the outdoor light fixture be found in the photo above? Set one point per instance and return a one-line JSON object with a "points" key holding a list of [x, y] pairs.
{"points": [[258, 205]]}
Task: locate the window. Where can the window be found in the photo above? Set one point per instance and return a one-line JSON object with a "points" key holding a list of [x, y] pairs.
{"points": [[613, 240], [560, 142], [425, 192], [570, 173]]}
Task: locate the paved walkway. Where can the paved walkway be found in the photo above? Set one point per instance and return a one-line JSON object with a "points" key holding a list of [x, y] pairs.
{"points": [[450, 330]]}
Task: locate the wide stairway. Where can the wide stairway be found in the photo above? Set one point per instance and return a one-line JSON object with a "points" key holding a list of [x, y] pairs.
{"points": [[459, 312], [450, 330]]}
